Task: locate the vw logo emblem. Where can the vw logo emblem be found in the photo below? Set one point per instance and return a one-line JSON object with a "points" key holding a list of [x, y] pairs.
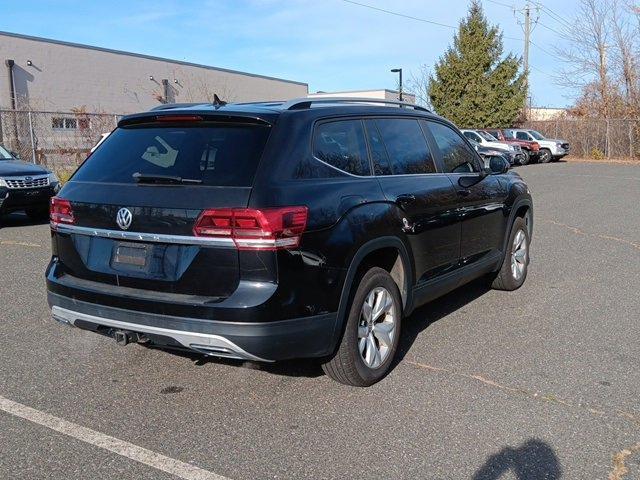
{"points": [[124, 218], [28, 179]]}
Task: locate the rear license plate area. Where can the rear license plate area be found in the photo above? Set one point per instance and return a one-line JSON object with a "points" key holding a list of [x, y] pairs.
{"points": [[130, 256]]}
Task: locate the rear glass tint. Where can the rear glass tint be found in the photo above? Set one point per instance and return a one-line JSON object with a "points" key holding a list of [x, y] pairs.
{"points": [[217, 155]]}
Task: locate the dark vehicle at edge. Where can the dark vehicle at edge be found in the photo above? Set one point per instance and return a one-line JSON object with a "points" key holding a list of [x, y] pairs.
{"points": [[25, 186], [271, 231]]}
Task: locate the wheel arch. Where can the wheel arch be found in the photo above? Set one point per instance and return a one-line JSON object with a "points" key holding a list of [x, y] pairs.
{"points": [[522, 207], [377, 252]]}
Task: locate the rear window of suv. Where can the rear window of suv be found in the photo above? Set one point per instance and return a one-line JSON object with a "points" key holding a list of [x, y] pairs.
{"points": [[216, 155]]}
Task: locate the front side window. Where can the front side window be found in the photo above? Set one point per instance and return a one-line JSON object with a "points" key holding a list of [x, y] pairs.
{"points": [[4, 154], [488, 136], [406, 146], [536, 135], [457, 157], [342, 145], [522, 136], [473, 136]]}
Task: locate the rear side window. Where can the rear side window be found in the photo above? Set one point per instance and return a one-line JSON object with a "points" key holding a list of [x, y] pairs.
{"points": [[522, 135], [342, 145], [457, 157], [406, 146], [216, 155]]}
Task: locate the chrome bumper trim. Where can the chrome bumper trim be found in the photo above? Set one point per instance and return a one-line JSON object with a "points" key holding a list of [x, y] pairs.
{"points": [[142, 236], [205, 343]]}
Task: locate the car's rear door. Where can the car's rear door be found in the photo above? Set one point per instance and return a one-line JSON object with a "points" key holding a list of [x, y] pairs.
{"points": [[406, 171], [481, 199], [137, 198]]}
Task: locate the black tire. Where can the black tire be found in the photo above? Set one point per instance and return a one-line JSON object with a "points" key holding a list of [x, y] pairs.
{"points": [[507, 278], [37, 213], [525, 160], [545, 156], [347, 365]]}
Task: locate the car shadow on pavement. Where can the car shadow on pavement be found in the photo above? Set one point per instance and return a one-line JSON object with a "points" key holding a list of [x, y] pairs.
{"points": [[534, 459], [19, 220], [309, 368], [427, 314]]}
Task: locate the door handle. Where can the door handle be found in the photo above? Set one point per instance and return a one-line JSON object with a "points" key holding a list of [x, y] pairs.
{"points": [[405, 199], [464, 192]]}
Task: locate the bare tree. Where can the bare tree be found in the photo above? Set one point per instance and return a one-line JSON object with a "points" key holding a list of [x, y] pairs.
{"points": [[588, 39], [419, 84], [625, 55]]}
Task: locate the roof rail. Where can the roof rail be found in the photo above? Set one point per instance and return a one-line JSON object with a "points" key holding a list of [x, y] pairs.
{"points": [[304, 103]]}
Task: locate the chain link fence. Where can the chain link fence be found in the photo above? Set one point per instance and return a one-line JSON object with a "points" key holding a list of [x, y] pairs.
{"points": [[593, 137], [59, 141]]}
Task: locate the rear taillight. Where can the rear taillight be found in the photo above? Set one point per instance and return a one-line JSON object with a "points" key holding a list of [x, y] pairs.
{"points": [[251, 229], [60, 211], [535, 146]]}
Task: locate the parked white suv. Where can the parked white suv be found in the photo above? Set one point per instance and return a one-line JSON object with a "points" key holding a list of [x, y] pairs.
{"points": [[487, 140], [550, 148]]}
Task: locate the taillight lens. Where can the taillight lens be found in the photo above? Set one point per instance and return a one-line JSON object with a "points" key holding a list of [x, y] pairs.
{"points": [[251, 229], [60, 211], [535, 146]]}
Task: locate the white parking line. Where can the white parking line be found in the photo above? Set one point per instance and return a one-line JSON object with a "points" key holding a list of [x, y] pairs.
{"points": [[112, 444]]}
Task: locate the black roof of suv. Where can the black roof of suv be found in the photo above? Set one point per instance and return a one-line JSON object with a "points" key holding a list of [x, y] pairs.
{"points": [[277, 230]]}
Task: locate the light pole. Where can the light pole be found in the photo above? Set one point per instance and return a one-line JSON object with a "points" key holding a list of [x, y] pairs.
{"points": [[399, 72]]}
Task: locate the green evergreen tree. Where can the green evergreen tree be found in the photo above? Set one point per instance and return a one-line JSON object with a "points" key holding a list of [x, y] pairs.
{"points": [[473, 85]]}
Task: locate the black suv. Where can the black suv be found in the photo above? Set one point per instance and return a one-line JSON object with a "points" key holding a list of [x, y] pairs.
{"points": [[270, 231]]}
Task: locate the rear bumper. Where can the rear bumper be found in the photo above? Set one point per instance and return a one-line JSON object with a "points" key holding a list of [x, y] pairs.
{"points": [[266, 341]]}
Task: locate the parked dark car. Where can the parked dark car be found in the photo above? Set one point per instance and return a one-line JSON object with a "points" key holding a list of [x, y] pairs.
{"points": [[25, 186], [271, 231]]}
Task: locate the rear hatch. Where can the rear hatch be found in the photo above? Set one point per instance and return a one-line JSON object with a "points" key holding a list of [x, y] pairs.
{"points": [[136, 200]]}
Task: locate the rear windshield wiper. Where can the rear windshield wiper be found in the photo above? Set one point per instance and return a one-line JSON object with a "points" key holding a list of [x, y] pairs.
{"points": [[153, 178]]}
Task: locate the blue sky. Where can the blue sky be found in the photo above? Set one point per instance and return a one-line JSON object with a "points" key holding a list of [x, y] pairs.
{"points": [[329, 44]]}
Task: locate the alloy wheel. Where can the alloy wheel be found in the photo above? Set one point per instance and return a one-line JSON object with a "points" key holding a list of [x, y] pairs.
{"points": [[519, 255], [377, 327]]}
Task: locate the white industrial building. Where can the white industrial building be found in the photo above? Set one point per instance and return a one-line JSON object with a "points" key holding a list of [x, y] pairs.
{"points": [[51, 75]]}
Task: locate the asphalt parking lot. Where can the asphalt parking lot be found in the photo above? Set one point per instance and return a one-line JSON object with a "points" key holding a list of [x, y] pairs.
{"points": [[540, 383]]}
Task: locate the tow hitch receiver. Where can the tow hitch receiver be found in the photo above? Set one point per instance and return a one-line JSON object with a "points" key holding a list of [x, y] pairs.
{"points": [[122, 337]]}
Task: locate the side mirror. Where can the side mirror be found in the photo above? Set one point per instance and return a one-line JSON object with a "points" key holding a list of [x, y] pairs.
{"points": [[497, 164]]}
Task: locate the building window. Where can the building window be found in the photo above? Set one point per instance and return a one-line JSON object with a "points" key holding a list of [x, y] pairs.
{"points": [[66, 123]]}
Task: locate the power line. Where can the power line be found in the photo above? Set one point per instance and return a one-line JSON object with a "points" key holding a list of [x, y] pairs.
{"points": [[558, 18], [411, 17], [547, 52], [502, 4], [397, 14], [552, 29], [432, 22]]}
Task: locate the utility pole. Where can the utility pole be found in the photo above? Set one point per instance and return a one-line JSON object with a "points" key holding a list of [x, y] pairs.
{"points": [[526, 24], [527, 37]]}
